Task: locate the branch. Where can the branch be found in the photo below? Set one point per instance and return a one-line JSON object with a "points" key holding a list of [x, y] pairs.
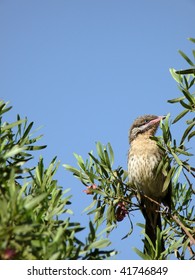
{"points": [[176, 219], [189, 183]]}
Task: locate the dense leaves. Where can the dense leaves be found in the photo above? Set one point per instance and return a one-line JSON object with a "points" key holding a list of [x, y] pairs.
{"points": [[34, 214], [113, 199]]}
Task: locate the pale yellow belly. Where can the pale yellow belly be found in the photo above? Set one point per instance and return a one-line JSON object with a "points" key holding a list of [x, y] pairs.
{"points": [[142, 174]]}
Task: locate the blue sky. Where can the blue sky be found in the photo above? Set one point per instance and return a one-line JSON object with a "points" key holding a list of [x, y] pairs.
{"points": [[85, 69]]}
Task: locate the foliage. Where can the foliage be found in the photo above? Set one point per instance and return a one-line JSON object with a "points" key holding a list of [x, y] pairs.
{"points": [[113, 198], [34, 215]]}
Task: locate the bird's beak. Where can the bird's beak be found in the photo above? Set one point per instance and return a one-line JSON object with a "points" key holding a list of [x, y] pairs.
{"points": [[157, 120]]}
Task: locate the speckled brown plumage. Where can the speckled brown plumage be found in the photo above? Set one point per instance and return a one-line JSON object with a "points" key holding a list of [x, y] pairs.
{"points": [[143, 159]]}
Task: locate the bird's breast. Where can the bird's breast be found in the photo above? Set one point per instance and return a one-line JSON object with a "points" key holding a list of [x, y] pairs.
{"points": [[142, 168]]}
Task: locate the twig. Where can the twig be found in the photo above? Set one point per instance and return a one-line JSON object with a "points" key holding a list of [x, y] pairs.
{"points": [[176, 219], [191, 253], [189, 170], [189, 183]]}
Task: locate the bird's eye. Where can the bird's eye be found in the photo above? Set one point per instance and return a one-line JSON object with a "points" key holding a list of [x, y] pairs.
{"points": [[143, 122]]}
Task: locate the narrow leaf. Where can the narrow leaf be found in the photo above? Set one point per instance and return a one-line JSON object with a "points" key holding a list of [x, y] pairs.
{"points": [[168, 179], [14, 151], [27, 130], [186, 58], [192, 40], [177, 159], [90, 206], [100, 150], [186, 71], [107, 160], [11, 125], [181, 115], [3, 108], [141, 254], [187, 131], [193, 51], [80, 161], [35, 148], [189, 97], [176, 77], [71, 169], [175, 100], [187, 106], [111, 154], [100, 244], [33, 202], [192, 134]]}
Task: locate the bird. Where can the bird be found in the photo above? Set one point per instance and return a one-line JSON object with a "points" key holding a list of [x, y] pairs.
{"points": [[144, 157]]}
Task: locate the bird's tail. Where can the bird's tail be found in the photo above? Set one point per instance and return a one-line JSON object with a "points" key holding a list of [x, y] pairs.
{"points": [[152, 217]]}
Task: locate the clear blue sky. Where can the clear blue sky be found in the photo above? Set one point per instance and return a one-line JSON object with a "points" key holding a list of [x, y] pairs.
{"points": [[85, 70]]}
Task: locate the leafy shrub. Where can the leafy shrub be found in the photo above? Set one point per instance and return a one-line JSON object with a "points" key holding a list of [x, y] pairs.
{"points": [[32, 204], [113, 198]]}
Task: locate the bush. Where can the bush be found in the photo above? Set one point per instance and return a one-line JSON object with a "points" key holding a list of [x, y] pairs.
{"points": [[114, 199], [32, 204]]}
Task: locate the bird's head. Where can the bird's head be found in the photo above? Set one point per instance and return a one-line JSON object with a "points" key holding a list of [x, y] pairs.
{"points": [[143, 124]]}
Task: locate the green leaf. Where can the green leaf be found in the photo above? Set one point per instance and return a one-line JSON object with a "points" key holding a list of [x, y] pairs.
{"points": [[100, 150], [111, 154], [181, 115], [176, 244], [186, 132], [27, 130], [23, 229], [192, 83], [176, 77], [107, 160], [186, 81], [35, 148], [3, 108], [187, 106], [177, 174], [110, 215], [175, 100], [141, 254], [80, 161], [94, 158], [185, 72], [98, 211], [9, 126], [186, 58], [166, 132], [192, 40], [72, 169], [177, 159], [193, 51], [183, 152], [39, 171], [33, 202], [14, 151], [55, 256], [106, 230], [90, 206], [59, 233], [189, 97], [168, 179], [99, 244], [192, 134]]}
